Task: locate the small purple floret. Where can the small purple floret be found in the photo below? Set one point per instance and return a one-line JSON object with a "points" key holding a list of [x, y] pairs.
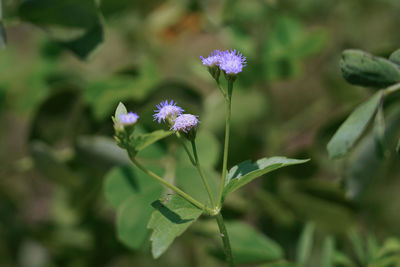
{"points": [[232, 62], [129, 118], [213, 59], [185, 123], [166, 111]]}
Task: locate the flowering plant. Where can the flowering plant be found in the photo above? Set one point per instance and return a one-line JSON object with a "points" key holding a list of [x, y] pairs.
{"points": [[172, 215]]}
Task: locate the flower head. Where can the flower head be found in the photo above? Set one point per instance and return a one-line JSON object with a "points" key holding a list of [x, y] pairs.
{"points": [[213, 59], [129, 118], [232, 62], [166, 111], [186, 124]]}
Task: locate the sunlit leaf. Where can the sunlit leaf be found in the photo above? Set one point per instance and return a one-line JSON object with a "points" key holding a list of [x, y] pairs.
{"points": [[172, 216], [247, 171], [349, 132]]}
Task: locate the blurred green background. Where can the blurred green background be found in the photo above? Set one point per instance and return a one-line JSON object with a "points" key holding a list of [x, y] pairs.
{"points": [[68, 63]]}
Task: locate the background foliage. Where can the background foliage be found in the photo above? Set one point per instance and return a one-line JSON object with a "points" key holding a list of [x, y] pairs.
{"points": [[68, 63]]}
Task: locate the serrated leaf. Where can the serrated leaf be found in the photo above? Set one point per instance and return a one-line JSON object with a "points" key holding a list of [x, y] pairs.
{"points": [[144, 140], [349, 132], [247, 171], [250, 246], [133, 216], [132, 192], [305, 244], [172, 216]]}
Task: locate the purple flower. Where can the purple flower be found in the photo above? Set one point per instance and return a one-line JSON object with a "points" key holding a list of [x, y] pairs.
{"points": [[166, 111], [213, 59], [232, 62], [129, 118], [185, 123]]}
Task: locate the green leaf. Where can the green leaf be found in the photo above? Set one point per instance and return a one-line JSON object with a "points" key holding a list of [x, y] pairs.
{"points": [[358, 246], [250, 246], [391, 245], [144, 140], [133, 216], [281, 263], [342, 259], [172, 216], [349, 132], [361, 68], [328, 249], [398, 147], [74, 24], [188, 178], [47, 162], [379, 130], [121, 109], [247, 171], [395, 57], [3, 38], [305, 244], [132, 192]]}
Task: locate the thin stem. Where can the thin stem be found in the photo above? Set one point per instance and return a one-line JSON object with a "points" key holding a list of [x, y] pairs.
{"points": [[186, 149], [226, 145], [392, 89], [225, 239], [203, 177], [171, 186]]}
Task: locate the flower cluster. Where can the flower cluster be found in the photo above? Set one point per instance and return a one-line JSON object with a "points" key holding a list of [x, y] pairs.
{"points": [[230, 61], [167, 111], [129, 118]]}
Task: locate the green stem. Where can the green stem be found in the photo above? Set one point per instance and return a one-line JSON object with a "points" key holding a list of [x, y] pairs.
{"points": [[225, 239], [171, 186], [226, 145], [186, 149], [203, 177], [392, 89]]}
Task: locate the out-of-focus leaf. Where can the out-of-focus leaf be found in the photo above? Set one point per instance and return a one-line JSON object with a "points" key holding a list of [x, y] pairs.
{"points": [[51, 167], [86, 44], [102, 150], [361, 68], [341, 259], [250, 246], [395, 57], [349, 132], [379, 130], [280, 263], [365, 164], [325, 212], [398, 147], [305, 244], [391, 245], [328, 250], [132, 192], [247, 171], [188, 178], [172, 216], [3, 36], [104, 94], [79, 28], [287, 44], [358, 247], [144, 140]]}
